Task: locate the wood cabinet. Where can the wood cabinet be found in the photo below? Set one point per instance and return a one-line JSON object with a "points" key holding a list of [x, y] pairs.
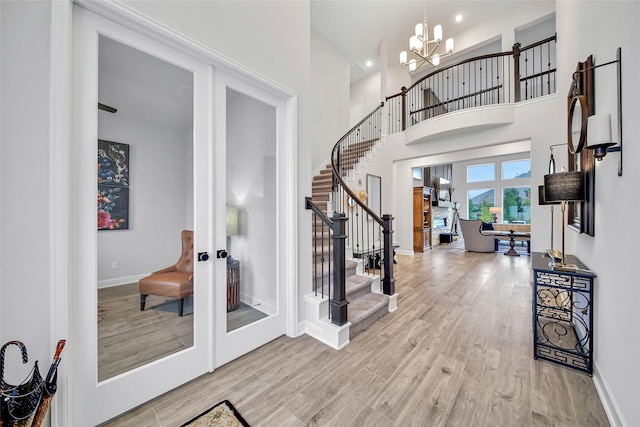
{"points": [[421, 219]]}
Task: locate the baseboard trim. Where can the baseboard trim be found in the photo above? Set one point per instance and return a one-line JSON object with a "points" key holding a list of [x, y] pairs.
{"points": [[611, 408], [118, 281], [404, 252]]}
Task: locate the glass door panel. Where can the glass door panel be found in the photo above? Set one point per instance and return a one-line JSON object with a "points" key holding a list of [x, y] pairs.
{"points": [[251, 210], [249, 293]]}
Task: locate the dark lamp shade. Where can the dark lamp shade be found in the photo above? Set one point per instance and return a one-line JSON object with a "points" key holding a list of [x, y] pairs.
{"points": [[541, 198], [564, 187]]}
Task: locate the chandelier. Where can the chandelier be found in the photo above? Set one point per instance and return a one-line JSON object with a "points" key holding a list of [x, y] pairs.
{"points": [[425, 48]]}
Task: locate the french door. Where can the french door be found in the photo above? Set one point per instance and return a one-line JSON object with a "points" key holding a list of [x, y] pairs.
{"points": [[165, 167], [229, 176], [251, 202]]}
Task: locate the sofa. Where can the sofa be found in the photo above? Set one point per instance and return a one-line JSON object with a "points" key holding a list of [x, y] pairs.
{"points": [[474, 240]]}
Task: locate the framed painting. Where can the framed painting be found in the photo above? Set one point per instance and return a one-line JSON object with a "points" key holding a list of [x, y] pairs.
{"points": [[113, 163], [113, 185], [113, 208]]}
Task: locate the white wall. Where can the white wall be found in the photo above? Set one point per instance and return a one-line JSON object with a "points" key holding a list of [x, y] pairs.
{"points": [[26, 224], [367, 88], [612, 253], [330, 98], [251, 186], [158, 199]]}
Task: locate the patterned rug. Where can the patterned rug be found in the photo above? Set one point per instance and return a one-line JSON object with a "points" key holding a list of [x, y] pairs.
{"points": [[222, 414]]}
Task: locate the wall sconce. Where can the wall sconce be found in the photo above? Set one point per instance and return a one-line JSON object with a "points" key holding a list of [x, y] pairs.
{"points": [[495, 210], [599, 125], [564, 187], [599, 135]]}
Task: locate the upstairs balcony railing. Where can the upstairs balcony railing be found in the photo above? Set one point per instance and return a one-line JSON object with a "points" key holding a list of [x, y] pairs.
{"points": [[514, 76]]}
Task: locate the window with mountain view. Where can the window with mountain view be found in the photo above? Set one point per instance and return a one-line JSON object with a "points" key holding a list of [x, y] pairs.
{"points": [[516, 169], [479, 173], [516, 205], [480, 200]]}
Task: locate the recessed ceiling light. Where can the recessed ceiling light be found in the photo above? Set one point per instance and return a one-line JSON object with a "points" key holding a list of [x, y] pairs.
{"points": [[458, 18], [369, 63]]}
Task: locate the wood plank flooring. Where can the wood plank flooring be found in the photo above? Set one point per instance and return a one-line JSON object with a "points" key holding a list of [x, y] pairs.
{"points": [[457, 352], [128, 337]]}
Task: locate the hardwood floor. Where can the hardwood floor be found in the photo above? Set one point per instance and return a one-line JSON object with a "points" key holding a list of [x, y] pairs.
{"points": [[128, 337], [457, 352]]}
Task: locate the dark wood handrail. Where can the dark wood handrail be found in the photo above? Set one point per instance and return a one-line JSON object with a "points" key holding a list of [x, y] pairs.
{"points": [[357, 125], [541, 42], [336, 173], [460, 98], [477, 58], [312, 206], [516, 53]]}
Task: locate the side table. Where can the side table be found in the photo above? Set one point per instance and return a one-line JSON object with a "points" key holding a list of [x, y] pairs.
{"points": [[563, 314], [233, 285]]}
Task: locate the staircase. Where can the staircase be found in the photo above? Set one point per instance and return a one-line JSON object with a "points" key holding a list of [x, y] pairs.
{"points": [[366, 303]]}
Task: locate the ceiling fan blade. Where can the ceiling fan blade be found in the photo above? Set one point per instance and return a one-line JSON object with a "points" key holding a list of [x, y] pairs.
{"points": [[106, 108]]}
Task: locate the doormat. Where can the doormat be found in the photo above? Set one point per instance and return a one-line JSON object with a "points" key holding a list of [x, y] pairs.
{"points": [[222, 414]]}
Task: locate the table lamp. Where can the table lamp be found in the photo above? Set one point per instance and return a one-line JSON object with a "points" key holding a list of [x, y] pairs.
{"points": [[232, 225], [542, 201], [564, 187], [495, 210]]}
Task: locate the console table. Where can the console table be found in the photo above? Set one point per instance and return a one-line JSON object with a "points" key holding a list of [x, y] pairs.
{"points": [[563, 314]]}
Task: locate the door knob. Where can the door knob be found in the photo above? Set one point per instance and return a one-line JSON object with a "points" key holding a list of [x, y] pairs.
{"points": [[222, 253], [203, 256]]}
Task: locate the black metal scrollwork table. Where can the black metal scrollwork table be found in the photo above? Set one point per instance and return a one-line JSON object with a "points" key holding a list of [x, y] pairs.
{"points": [[563, 314]]}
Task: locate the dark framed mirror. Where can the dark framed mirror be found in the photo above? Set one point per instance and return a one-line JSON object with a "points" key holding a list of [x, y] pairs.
{"points": [[581, 105]]}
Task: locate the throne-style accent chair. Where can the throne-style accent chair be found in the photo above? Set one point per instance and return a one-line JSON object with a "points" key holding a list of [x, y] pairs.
{"points": [[474, 240], [175, 281]]}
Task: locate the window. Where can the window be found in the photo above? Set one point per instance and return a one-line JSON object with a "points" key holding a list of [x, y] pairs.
{"points": [[516, 205], [478, 173], [516, 169], [480, 200]]}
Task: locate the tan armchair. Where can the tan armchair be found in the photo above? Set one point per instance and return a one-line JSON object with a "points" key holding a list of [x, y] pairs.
{"points": [[474, 240], [175, 281]]}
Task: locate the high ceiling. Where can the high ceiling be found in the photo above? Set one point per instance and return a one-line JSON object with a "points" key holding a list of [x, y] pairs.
{"points": [[356, 28]]}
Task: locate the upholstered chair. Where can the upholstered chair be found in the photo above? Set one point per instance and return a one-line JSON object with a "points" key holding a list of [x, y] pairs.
{"points": [[175, 281], [474, 240]]}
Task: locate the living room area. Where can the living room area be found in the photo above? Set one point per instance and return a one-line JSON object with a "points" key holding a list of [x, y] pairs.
{"points": [[494, 191]]}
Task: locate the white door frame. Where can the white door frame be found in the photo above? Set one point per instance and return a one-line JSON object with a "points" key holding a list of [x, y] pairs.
{"points": [[63, 313]]}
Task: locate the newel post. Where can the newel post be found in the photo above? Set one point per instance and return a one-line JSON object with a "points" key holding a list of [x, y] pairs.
{"points": [[388, 282], [404, 107], [339, 301], [516, 72]]}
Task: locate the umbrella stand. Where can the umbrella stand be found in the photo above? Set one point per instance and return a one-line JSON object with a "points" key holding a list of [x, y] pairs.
{"points": [[50, 387]]}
